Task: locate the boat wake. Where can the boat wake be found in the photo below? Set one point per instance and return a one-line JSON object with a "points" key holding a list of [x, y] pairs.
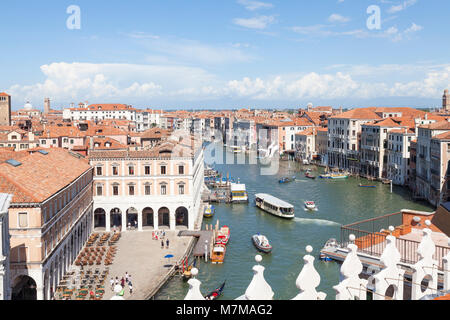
{"points": [[316, 221], [315, 209]]}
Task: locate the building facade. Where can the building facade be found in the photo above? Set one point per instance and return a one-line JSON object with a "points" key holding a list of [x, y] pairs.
{"points": [[5, 281]]}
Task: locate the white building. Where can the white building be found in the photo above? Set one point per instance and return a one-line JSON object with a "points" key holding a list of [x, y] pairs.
{"points": [[398, 155], [5, 285], [97, 112]]}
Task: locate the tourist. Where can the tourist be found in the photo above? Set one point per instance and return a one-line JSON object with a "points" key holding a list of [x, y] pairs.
{"points": [[126, 277], [162, 244], [135, 224], [131, 288], [167, 243], [117, 281], [122, 282], [129, 278], [129, 225], [112, 283]]}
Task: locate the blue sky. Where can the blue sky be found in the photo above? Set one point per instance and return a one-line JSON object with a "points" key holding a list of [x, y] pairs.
{"points": [[223, 54]]}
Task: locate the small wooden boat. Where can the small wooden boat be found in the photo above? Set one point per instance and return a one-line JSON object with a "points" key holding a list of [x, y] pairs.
{"points": [[218, 254], [333, 176], [310, 205], [367, 186], [209, 211], [214, 295], [261, 243], [223, 235], [309, 175], [187, 272], [286, 180]]}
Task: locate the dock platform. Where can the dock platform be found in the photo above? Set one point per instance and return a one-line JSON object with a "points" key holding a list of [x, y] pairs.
{"points": [[202, 236]]}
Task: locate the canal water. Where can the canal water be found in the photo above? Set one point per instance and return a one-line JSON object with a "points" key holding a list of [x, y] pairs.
{"points": [[339, 202]]}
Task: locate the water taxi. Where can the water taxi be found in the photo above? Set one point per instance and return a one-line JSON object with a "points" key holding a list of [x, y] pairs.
{"points": [[238, 193], [367, 186], [261, 243], [286, 180], [209, 211], [218, 254], [333, 176], [223, 236], [274, 206], [311, 205]]}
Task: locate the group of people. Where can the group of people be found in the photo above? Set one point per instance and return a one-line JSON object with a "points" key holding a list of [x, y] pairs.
{"points": [[167, 244], [159, 234], [125, 280]]}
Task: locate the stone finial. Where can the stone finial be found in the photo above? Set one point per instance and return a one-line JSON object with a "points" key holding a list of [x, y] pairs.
{"points": [[391, 274], [426, 267], [308, 280], [351, 286], [194, 292], [258, 289], [117, 290]]}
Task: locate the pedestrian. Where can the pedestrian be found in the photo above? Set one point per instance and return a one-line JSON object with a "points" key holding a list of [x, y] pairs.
{"points": [[112, 283], [126, 277], [117, 281], [131, 288], [162, 244], [122, 282], [164, 234], [135, 224], [129, 278], [129, 225], [167, 243]]}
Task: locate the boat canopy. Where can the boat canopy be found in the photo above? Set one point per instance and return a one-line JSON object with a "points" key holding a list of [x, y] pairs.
{"points": [[274, 201], [237, 187], [219, 249]]}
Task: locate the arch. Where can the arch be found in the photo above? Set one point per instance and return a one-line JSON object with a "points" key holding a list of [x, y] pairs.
{"points": [[132, 217], [182, 217], [390, 292], [99, 218], [116, 218], [164, 217], [147, 218], [24, 288]]}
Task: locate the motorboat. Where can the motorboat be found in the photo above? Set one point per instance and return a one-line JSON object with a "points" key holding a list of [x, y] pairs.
{"points": [[223, 236], [310, 205], [215, 294], [261, 243], [218, 254], [309, 175], [367, 186], [274, 206], [238, 193], [330, 244], [209, 211], [333, 176]]}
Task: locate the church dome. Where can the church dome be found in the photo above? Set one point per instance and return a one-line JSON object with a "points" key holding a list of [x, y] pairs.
{"points": [[28, 106]]}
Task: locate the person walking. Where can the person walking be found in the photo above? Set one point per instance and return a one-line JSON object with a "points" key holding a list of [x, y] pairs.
{"points": [[129, 278], [112, 283], [162, 244], [167, 243], [122, 282], [131, 288], [117, 281], [126, 277]]}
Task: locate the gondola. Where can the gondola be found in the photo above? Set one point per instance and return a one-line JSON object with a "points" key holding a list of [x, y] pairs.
{"points": [[216, 293]]}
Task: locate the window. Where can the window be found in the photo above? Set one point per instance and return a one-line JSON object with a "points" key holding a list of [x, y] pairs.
{"points": [[163, 169], [180, 169], [99, 190], [148, 190], [163, 189], [131, 190], [147, 170], [131, 170], [181, 189], [115, 190], [23, 220], [99, 171], [115, 171]]}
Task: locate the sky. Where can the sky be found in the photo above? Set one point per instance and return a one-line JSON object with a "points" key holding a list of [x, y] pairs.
{"points": [[200, 54]]}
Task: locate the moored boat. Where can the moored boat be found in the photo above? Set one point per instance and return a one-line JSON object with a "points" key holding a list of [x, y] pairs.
{"points": [[286, 180], [310, 205], [333, 176], [223, 235], [261, 243], [367, 186], [274, 206], [209, 211], [187, 274], [215, 294], [218, 254], [238, 193], [309, 175]]}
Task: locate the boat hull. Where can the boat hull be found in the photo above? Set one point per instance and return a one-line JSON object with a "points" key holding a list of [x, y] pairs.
{"points": [[261, 248], [275, 213]]}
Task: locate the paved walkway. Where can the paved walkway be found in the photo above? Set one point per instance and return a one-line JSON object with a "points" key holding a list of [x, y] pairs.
{"points": [[144, 260]]}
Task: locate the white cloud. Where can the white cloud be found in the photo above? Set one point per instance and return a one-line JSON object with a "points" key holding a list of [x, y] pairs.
{"points": [[260, 22], [402, 6], [255, 5], [338, 18]]}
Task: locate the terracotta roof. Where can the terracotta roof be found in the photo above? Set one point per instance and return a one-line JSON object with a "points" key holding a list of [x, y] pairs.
{"points": [[4, 94], [358, 113], [443, 136], [40, 176], [442, 125]]}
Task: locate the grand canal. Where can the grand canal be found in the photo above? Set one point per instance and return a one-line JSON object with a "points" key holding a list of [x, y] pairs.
{"points": [[339, 202]]}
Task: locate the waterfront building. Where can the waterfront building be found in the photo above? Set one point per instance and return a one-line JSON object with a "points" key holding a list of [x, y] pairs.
{"points": [[156, 188], [5, 282], [305, 142], [322, 145], [50, 217], [398, 155], [97, 112], [431, 162], [5, 109], [244, 134]]}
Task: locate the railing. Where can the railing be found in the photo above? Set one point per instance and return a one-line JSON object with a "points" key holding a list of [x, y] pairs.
{"points": [[371, 241]]}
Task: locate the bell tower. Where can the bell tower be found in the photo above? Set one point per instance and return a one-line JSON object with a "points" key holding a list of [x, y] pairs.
{"points": [[446, 101], [5, 109]]}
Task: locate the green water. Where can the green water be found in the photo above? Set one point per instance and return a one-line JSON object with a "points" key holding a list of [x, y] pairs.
{"points": [[338, 201]]}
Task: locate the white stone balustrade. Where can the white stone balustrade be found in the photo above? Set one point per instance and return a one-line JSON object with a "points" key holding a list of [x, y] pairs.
{"points": [[308, 280], [390, 274], [258, 289], [194, 292], [351, 286], [426, 268]]}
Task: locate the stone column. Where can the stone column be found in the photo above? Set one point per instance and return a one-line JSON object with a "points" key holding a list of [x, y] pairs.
{"points": [[108, 221], [140, 220], [124, 220], [155, 220], [172, 221]]}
